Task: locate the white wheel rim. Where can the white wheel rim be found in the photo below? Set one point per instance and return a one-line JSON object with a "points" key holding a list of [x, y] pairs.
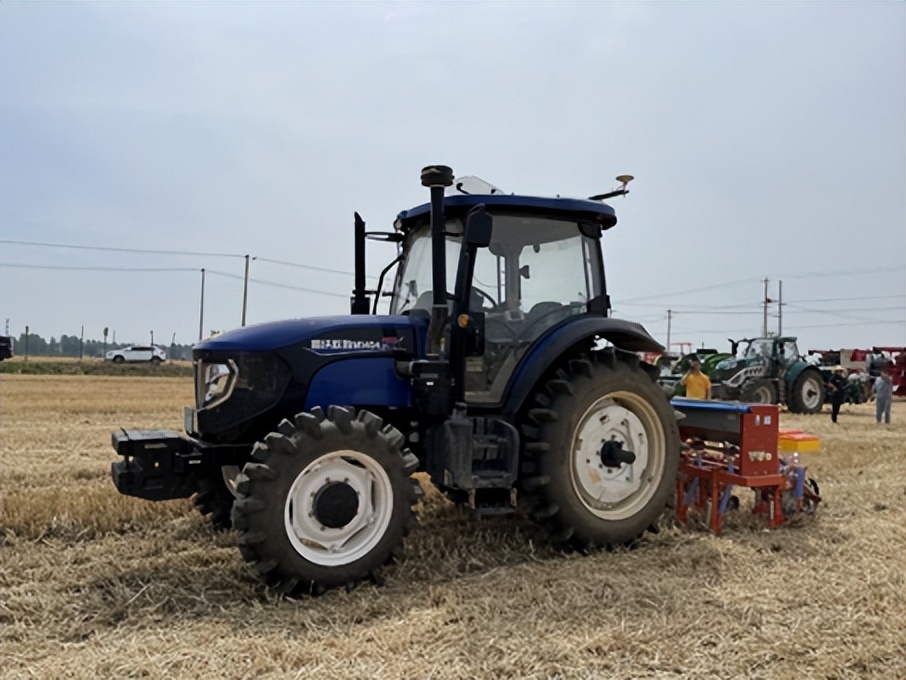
{"points": [[331, 547], [613, 493], [811, 393], [230, 474], [763, 396]]}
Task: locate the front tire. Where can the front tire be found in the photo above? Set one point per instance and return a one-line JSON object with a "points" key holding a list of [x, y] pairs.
{"points": [[119, 359], [807, 395], [215, 501], [585, 421], [759, 392], [325, 501]]}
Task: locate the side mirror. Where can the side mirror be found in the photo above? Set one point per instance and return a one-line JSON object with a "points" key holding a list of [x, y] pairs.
{"points": [[479, 227]]}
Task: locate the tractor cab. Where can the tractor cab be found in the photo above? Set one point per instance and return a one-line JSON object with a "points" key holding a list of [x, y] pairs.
{"points": [[541, 266]]}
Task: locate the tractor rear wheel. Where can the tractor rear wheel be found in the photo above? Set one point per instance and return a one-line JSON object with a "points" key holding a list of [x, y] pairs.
{"points": [[759, 392], [607, 447], [807, 395], [325, 501]]}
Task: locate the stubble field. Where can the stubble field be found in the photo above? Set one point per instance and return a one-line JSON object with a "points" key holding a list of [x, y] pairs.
{"points": [[94, 584]]}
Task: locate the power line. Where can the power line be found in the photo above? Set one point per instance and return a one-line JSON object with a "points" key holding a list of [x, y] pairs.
{"points": [[170, 269], [847, 272], [837, 311], [855, 323], [796, 327], [680, 308], [305, 266], [706, 312], [278, 285], [118, 250], [692, 290], [728, 284], [842, 314], [98, 269], [179, 252], [847, 299]]}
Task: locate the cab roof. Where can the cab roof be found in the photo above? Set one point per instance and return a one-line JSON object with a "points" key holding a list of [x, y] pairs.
{"points": [[574, 209]]}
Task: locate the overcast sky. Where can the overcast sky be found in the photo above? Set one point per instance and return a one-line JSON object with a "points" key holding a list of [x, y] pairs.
{"points": [[767, 139]]}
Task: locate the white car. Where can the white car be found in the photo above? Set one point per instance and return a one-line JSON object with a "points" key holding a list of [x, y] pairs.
{"points": [[136, 353]]}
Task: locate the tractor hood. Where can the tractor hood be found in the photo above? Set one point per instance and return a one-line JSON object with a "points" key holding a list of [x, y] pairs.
{"points": [[324, 334]]}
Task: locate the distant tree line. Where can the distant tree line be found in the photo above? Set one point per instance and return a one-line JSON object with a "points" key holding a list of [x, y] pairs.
{"points": [[71, 346]]}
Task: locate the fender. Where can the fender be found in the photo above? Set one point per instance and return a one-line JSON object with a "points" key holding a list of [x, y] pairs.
{"points": [[794, 371], [625, 335]]}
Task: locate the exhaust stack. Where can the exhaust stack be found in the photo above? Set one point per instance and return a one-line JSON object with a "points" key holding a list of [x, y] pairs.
{"points": [[437, 178]]}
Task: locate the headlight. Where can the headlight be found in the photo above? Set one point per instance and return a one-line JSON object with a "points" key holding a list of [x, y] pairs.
{"points": [[214, 382], [234, 388]]}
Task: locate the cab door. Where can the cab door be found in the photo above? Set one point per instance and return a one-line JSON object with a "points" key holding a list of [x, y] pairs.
{"points": [[535, 273]]}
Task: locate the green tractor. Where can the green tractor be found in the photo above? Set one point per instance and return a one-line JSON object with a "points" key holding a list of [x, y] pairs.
{"points": [[769, 371]]}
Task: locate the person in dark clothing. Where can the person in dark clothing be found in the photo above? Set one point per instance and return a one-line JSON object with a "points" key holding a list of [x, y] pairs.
{"points": [[837, 385]]}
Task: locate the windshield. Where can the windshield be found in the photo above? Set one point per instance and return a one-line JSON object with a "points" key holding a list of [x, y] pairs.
{"points": [[413, 289], [531, 263], [758, 349]]}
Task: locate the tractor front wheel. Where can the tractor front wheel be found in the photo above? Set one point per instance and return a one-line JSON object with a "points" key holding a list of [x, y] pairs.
{"points": [[607, 451], [759, 392], [215, 499], [325, 501]]}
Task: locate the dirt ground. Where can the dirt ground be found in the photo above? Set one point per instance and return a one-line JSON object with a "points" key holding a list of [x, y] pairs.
{"points": [[94, 584]]}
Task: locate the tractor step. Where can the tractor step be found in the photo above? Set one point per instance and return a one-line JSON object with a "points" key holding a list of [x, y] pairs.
{"points": [[488, 502], [473, 453]]}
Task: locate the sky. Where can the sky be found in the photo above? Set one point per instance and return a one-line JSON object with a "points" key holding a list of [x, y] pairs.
{"points": [[768, 141]]}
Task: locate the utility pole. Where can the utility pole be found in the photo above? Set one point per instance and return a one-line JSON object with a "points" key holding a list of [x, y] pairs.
{"points": [[767, 301], [82, 343], [245, 287], [669, 320], [780, 308], [201, 308], [152, 337]]}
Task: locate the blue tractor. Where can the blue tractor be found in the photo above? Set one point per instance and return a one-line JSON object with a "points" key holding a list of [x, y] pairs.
{"points": [[498, 372]]}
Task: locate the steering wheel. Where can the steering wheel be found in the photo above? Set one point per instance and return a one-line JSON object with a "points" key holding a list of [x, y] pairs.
{"points": [[485, 296]]}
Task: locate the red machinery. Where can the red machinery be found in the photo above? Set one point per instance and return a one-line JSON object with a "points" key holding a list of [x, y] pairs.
{"points": [[735, 445]]}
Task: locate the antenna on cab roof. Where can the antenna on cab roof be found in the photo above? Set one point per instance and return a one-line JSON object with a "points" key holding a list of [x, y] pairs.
{"points": [[622, 191]]}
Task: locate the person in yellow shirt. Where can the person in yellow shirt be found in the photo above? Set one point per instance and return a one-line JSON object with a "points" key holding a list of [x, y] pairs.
{"points": [[698, 385]]}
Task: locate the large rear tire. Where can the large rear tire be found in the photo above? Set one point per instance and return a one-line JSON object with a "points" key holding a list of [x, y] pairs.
{"points": [[807, 395], [607, 450], [325, 501]]}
